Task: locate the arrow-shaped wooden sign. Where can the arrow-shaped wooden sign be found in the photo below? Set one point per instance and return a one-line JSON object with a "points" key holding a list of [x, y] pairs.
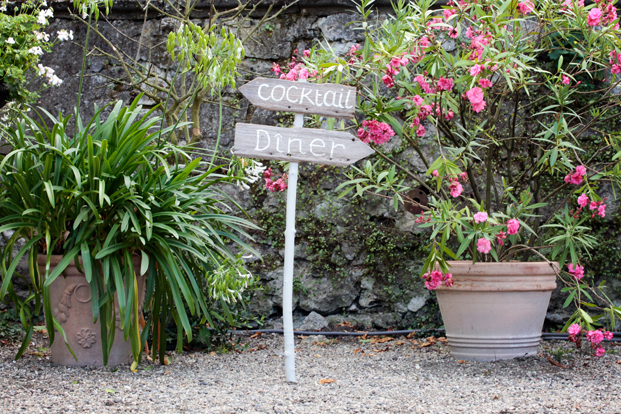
{"points": [[298, 145], [336, 101]]}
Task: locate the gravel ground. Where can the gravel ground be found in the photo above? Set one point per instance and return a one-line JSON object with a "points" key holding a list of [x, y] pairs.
{"points": [[396, 376]]}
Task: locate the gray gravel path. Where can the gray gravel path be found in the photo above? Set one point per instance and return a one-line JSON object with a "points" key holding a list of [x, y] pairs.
{"points": [[402, 378]]}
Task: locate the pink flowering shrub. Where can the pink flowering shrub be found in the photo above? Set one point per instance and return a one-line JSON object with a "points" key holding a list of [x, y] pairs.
{"points": [[500, 108], [594, 336]]}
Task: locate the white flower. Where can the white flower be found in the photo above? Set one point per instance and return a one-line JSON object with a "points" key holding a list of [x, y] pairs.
{"points": [[43, 15], [65, 35], [42, 36], [10, 41], [35, 50], [45, 71], [54, 80], [43, 3], [3, 8]]}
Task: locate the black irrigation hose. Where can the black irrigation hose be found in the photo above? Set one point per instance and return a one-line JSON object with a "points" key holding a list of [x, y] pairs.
{"points": [[546, 336]]}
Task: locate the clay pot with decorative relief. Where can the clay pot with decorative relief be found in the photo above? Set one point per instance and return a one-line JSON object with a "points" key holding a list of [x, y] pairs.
{"points": [[70, 298]]}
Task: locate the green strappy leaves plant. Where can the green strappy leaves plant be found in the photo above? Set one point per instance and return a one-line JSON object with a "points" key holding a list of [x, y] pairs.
{"points": [[107, 195]]}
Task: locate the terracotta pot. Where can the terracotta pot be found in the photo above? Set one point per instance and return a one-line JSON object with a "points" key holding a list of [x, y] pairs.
{"points": [[70, 296], [495, 310]]}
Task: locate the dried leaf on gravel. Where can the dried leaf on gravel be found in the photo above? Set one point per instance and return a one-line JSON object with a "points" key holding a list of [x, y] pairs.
{"points": [[443, 339], [358, 350], [618, 362], [553, 362], [382, 350], [256, 335], [326, 381], [461, 361], [364, 336], [399, 343], [345, 323], [381, 340], [320, 344], [428, 342], [410, 335]]}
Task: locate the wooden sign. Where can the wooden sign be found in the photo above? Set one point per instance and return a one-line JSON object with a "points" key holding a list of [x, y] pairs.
{"points": [[336, 101], [299, 145]]}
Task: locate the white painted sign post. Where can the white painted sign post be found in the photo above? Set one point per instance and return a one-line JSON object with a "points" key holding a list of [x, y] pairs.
{"points": [[298, 145]]}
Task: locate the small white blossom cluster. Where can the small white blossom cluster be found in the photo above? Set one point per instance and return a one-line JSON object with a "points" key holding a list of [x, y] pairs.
{"points": [[254, 171], [36, 50], [3, 8], [42, 36], [229, 281], [65, 35], [52, 79], [10, 41], [43, 16]]}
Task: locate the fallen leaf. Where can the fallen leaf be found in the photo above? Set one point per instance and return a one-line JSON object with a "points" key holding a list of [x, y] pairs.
{"points": [[371, 354], [618, 362], [345, 323], [399, 343], [442, 339], [430, 341], [326, 381], [365, 336], [382, 350], [381, 340], [495, 397], [167, 372], [317, 356], [358, 350], [553, 362], [256, 335], [212, 353], [461, 361], [411, 335], [320, 344], [302, 336]]}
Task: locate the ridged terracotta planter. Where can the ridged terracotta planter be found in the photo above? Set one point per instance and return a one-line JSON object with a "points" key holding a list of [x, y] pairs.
{"points": [[495, 310], [70, 296]]}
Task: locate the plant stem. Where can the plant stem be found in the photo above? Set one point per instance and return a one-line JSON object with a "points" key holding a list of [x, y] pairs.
{"points": [[77, 107]]}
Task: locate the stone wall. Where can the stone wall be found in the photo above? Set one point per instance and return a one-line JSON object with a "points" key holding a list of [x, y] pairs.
{"points": [[355, 260]]}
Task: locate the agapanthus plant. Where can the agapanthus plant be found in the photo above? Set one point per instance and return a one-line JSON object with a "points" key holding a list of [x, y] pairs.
{"points": [[509, 106]]}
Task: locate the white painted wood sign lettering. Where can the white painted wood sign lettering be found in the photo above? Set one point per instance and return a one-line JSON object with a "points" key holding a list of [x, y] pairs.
{"points": [[298, 145], [336, 101]]}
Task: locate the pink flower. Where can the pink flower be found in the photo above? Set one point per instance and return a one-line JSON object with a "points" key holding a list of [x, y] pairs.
{"points": [[576, 271], [445, 84], [480, 217], [594, 17], [566, 80], [435, 173], [485, 83], [484, 246], [418, 101], [433, 279], [449, 115], [512, 226], [475, 70], [275, 68], [423, 84], [420, 131], [292, 75], [306, 53], [580, 169], [600, 351], [500, 237], [388, 81], [303, 74], [601, 210], [268, 173], [574, 329], [463, 176], [595, 337], [475, 95], [525, 7], [448, 13], [378, 132], [583, 200], [607, 335], [448, 280], [576, 177], [455, 188]]}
